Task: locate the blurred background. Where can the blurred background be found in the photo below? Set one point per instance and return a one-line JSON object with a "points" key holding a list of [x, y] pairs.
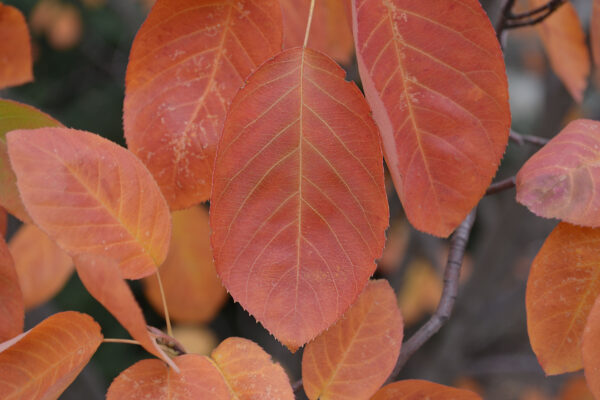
{"points": [[81, 50]]}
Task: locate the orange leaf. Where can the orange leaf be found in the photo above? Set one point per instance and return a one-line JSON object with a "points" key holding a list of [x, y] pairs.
{"points": [[435, 78], [589, 347], [103, 280], [353, 358], [42, 266], [13, 116], [299, 209], [192, 288], [249, 371], [12, 311], [559, 181], [48, 358], [595, 32], [198, 379], [15, 48], [563, 283], [91, 196], [330, 31], [575, 388], [564, 41], [187, 62], [419, 390], [3, 222]]}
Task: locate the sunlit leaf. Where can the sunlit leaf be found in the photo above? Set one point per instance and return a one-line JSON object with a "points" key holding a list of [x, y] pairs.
{"points": [[12, 311], [187, 62], [590, 349], [353, 358], [563, 283], [91, 196], [42, 266], [435, 79], [198, 379], [419, 390], [15, 48], [298, 209], [48, 358], [192, 288], [249, 371], [562, 179]]}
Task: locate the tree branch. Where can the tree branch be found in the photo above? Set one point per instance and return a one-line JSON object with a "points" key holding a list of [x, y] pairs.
{"points": [[510, 20], [522, 139], [500, 186]]}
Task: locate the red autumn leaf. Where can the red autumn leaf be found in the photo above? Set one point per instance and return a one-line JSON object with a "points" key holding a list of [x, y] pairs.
{"points": [[330, 31], [91, 196], [192, 288], [595, 32], [198, 379], [589, 348], [564, 41], [249, 371], [187, 62], [298, 209], [419, 390], [15, 48], [12, 310], [559, 181], [561, 289], [48, 357], [13, 116], [353, 358], [3, 222], [435, 78], [42, 266], [103, 280]]}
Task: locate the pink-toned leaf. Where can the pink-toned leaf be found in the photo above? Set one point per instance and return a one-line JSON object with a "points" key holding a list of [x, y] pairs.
{"points": [[419, 390], [435, 79], [298, 210], [12, 310], [353, 358], [15, 48], [91, 196], [590, 350], [562, 179], [187, 62], [49, 357], [563, 283], [42, 266], [102, 278], [198, 379]]}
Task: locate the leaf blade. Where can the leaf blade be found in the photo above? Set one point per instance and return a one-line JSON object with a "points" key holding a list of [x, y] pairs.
{"points": [[16, 67], [589, 349], [418, 389], [12, 309]]}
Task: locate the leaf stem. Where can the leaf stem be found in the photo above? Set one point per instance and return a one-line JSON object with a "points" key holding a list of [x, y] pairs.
{"points": [[522, 139], [500, 186], [310, 17], [126, 341], [164, 301]]}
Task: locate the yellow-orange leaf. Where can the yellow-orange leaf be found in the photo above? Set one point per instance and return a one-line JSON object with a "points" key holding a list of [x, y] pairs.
{"points": [[15, 48], [562, 179], [103, 280], [48, 358], [187, 62], [198, 379], [12, 311], [564, 41], [330, 31], [42, 266], [563, 283], [419, 390], [353, 358], [249, 371], [192, 288], [590, 349], [299, 207], [91, 196]]}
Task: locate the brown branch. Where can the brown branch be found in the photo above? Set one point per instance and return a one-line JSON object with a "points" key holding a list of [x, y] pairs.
{"points": [[500, 186], [458, 243], [522, 139], [510, 20]]}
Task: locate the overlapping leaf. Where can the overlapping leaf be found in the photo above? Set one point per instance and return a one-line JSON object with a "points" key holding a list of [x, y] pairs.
{"points": [[353, 358], [48, 358], [435, 79], [13, 116], [418, 390], [15, 48], [563, 283], [589, 349], [198, 379], [298, 209], [187, 62], [562, 179], [42, 266], [564, 41], [91, 196], [12, 311], [192, 288]]}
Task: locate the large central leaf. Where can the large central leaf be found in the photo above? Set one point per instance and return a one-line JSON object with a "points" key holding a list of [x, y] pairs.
{"points": [[298, 206]]}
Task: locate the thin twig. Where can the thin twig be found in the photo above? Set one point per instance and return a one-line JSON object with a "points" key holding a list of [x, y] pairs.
{"points": [[510, 20], [164, 301], [551, 5], [522, 139], [126, 341], [500, 25], [500, 186], [458, 243], [309, 22]]}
